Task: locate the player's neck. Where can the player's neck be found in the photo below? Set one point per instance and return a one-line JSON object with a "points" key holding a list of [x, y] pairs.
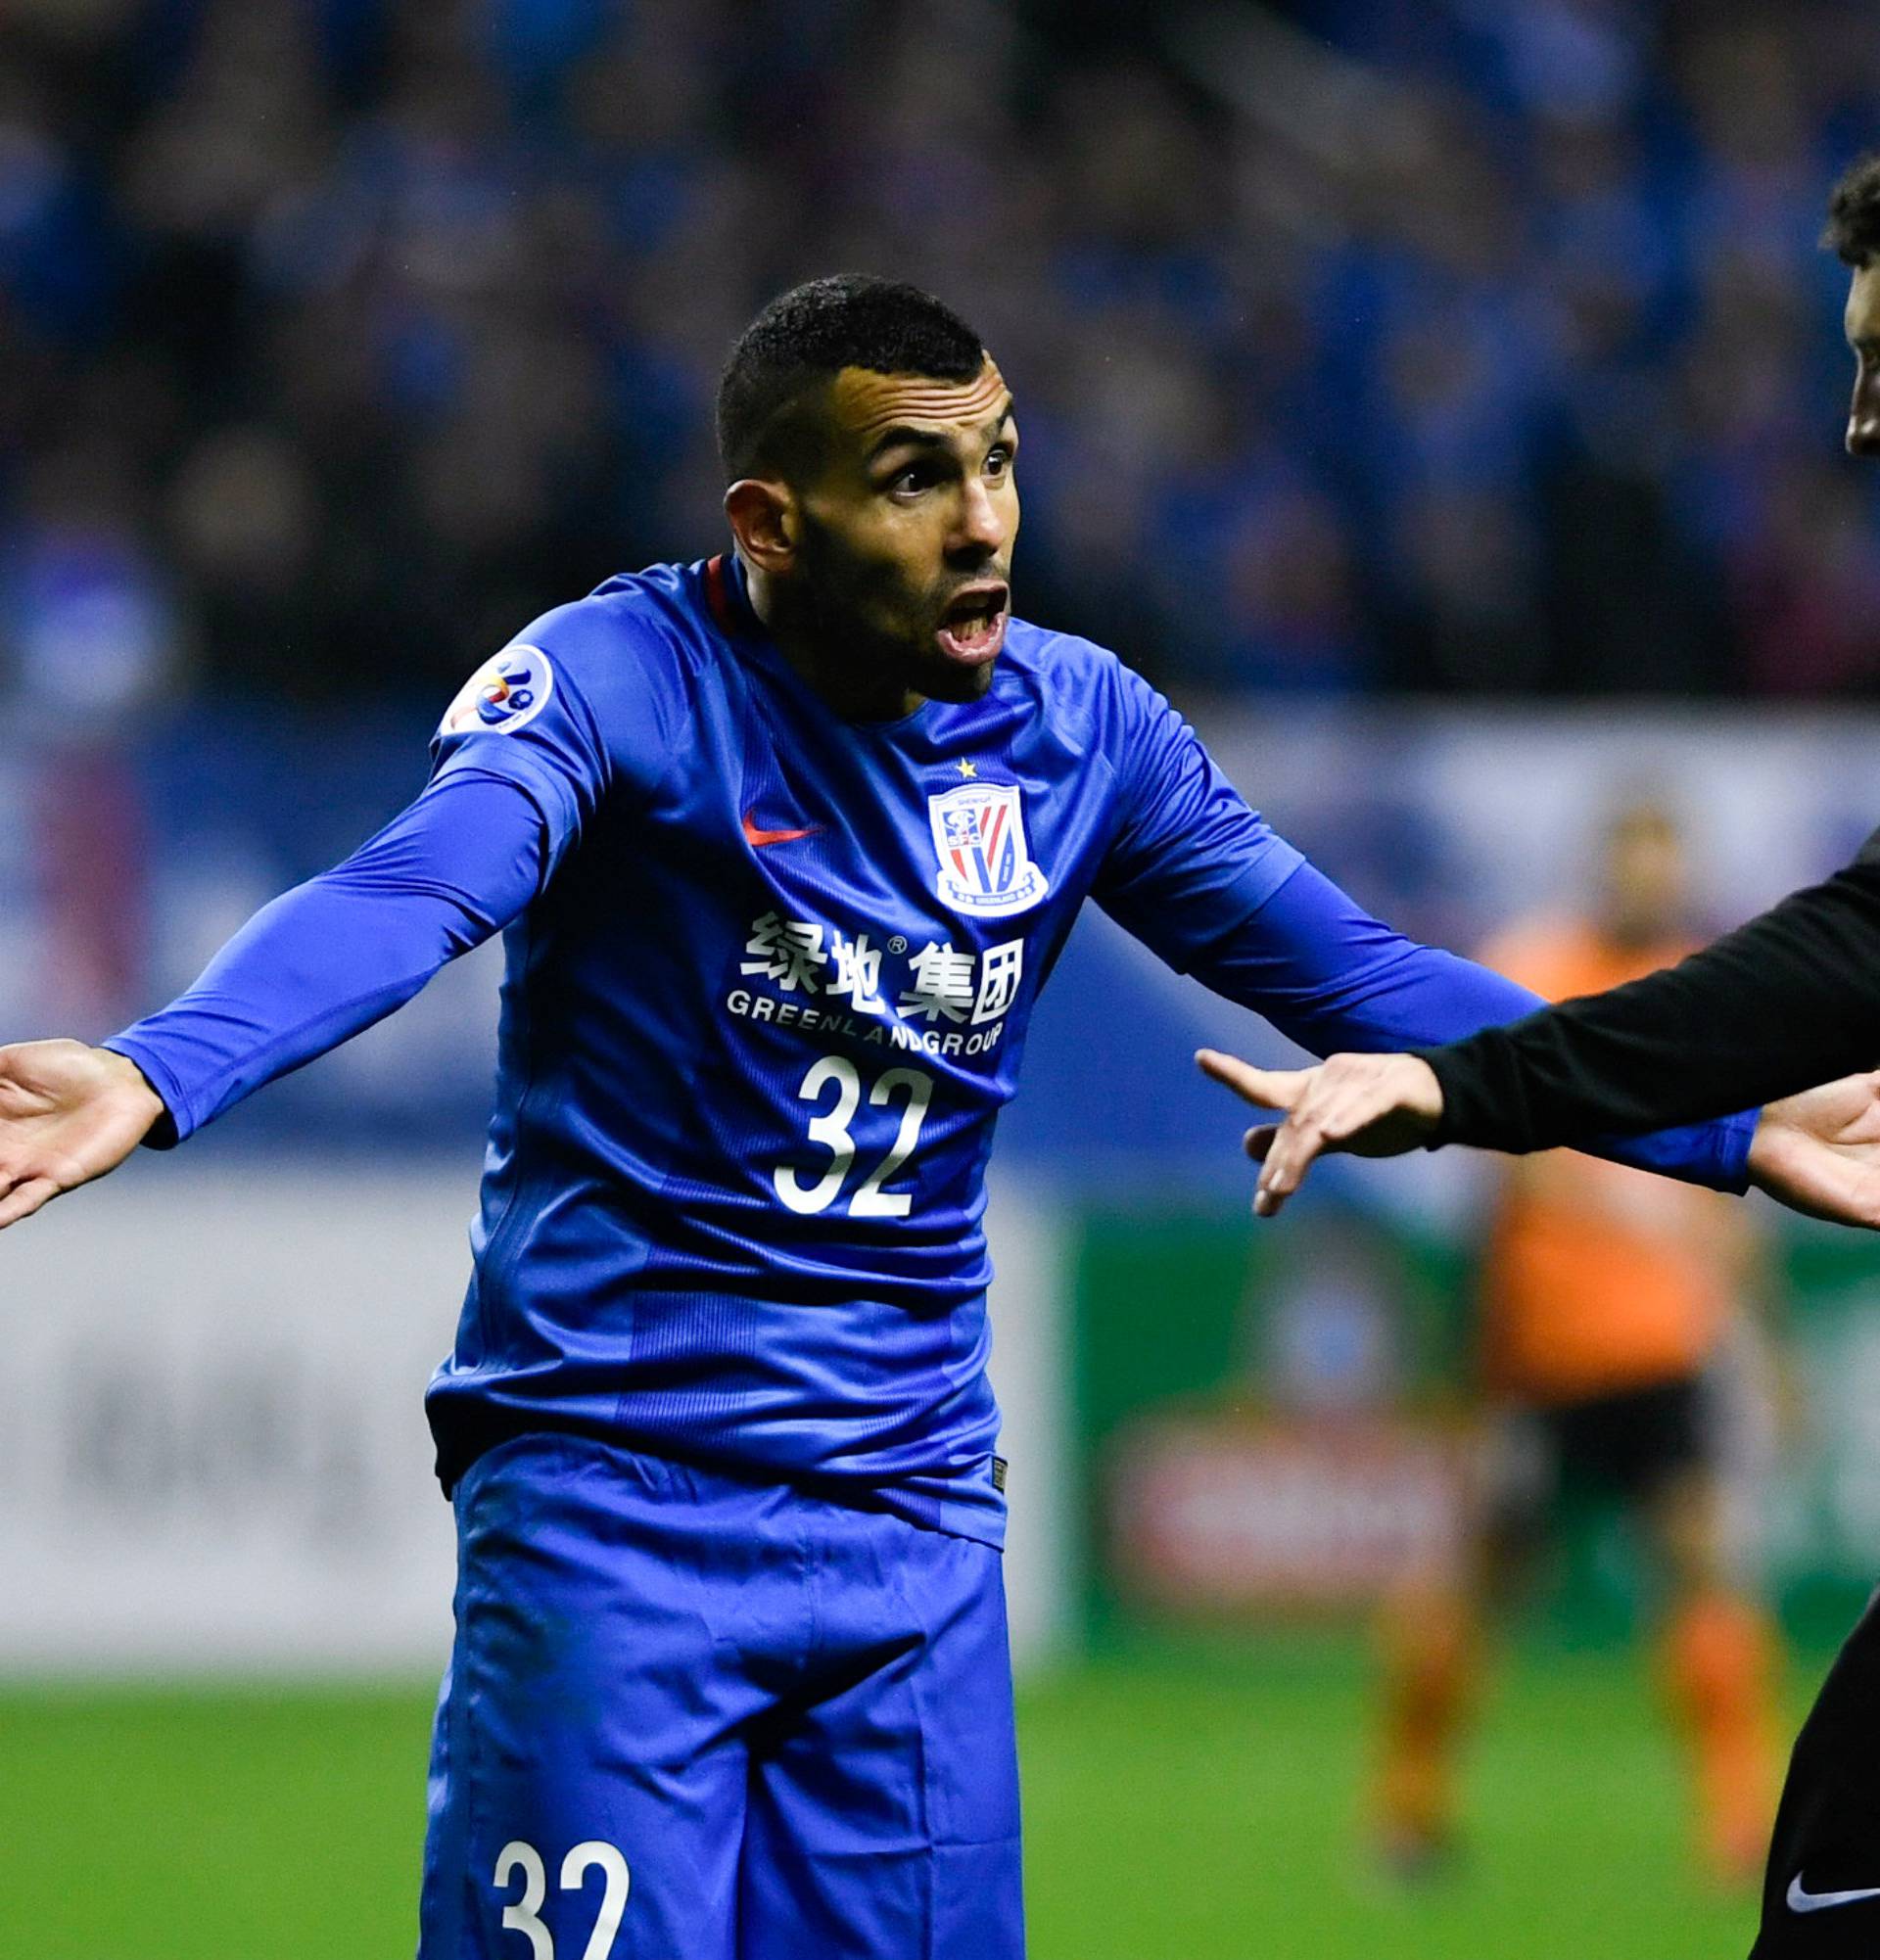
{"points": [[818, 656]]}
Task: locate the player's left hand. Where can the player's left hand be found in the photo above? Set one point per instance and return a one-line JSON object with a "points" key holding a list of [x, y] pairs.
{"points": [[1369, 1105], [1819, 1153]]}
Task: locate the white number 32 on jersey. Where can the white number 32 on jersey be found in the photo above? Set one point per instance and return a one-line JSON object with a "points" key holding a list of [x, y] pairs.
{"points": [[830, 1129]]}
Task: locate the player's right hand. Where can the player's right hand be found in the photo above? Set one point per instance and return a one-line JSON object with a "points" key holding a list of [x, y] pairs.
{"points": [[1370, 1106], [69, 1114]]}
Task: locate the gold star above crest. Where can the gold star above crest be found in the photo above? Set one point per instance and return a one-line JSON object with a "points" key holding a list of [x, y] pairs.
{"points": [[969, 769]]}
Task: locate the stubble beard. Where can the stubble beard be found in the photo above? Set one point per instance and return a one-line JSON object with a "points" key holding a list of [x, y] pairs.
{"points": [[839, 614]]}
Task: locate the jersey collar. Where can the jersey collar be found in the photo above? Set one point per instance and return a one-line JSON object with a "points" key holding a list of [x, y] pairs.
{"points": [[728, 600]]}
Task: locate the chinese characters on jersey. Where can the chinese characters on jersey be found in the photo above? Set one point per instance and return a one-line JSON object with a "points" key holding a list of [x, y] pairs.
{"points": [[943, 983]]}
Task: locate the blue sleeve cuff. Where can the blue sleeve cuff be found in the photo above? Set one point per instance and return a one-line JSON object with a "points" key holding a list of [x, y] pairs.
{"points": [[1714, 1153], [1734, 1136], [178, 1122]]}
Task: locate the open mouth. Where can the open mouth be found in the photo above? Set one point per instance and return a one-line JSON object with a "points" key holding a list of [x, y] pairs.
{"points": [[972, 629]]}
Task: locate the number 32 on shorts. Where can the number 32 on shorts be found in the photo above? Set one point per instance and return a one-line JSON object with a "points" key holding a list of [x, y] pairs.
{"points": [[524, 1916]]}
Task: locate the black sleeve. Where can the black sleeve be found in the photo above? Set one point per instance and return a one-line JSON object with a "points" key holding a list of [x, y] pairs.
{"points": [[1790, 999]]}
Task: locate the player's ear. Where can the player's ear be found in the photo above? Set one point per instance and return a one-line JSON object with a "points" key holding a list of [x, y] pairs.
{"points": [[763, 520]]}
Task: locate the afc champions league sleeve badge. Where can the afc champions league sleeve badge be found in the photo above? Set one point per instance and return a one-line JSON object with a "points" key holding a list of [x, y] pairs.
{"points": [[504, 693], [986, 868]]}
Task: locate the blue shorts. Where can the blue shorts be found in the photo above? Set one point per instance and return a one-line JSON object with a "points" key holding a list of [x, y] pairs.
{"points": [[693, 1718]]}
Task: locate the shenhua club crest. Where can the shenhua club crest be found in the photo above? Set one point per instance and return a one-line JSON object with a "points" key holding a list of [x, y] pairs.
{"points": [[985, 862]]}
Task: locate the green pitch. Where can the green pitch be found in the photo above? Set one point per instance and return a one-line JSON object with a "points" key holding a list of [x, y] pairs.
{"points": [[1180, 1806]]}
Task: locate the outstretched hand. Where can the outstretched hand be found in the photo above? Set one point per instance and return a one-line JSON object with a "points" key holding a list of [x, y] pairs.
{"points": [[1370, 1106], [69, 1114], [1819, 1153]]}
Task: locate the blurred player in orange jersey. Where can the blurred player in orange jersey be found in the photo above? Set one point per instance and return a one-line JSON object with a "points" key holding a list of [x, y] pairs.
{"points": [[1606, 1295]]}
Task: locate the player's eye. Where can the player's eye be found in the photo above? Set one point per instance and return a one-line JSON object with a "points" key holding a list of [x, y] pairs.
{"points": [[999, 460], [916, 478]]}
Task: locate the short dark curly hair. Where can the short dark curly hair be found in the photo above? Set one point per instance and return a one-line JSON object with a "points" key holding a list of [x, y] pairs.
{"points": [[1852, 232], [811, 333]]}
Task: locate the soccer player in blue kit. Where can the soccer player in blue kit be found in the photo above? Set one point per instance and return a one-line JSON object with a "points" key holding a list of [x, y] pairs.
{"points": [[783, 844]]}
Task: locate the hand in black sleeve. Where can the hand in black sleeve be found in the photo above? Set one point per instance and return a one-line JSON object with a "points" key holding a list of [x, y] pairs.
{"points": [[1784, 1011], [1788, 1000]]}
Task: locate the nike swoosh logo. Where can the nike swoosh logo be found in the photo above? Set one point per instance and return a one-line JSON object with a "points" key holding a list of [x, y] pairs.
{"points": [[757, 838], [1819, 1902]]}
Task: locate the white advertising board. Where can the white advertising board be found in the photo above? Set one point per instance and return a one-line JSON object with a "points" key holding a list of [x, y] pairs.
{"points": [[212, 1453], [211, 1449]]}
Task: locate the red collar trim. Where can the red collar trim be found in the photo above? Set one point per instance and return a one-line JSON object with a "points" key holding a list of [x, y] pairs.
{"points": [[726, 598]]}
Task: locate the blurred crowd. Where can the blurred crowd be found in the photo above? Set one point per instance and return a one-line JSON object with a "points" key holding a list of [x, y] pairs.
{"points": [[1361, 345]]}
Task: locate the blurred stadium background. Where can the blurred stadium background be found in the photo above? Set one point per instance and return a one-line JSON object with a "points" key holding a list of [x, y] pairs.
{"points": [[1441, 400]]}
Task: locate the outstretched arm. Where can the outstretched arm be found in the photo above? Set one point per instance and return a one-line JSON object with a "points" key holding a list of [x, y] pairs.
{"points": [[1196, 874], [310, 970], [1787, 1001], [1791, 998], [1331, 977]]}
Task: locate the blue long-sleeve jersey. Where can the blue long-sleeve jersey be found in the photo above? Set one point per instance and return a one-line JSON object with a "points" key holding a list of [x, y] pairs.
{"points": [[767, 984]]}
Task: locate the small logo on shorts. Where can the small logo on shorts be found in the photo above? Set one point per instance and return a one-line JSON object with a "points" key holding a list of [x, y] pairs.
{"points": [[999, 1473], [1801, 1900]]}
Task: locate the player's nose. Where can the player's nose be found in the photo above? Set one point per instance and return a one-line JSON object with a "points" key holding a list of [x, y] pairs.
{"points": [[982, 526], [1864, 419]]}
